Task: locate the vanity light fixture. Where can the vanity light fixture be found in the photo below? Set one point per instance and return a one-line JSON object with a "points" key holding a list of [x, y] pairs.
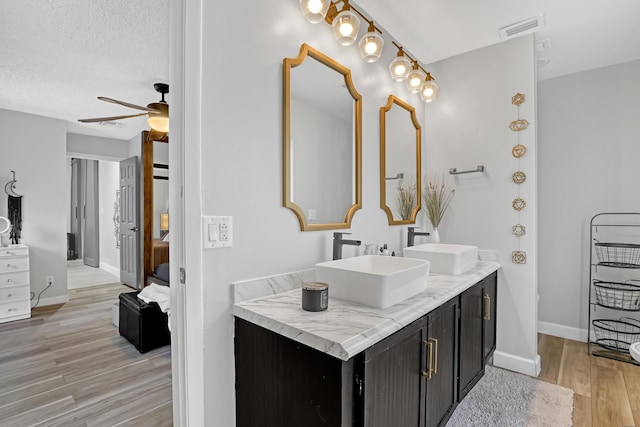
{"points": [[416, 78], [429, 89], [314, 11], [399, 67], [371, 44], [346, 25]]}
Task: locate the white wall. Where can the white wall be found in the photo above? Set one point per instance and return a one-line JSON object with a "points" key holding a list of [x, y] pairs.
{"points": [[242, 167], [34, 146], [97, 148], [588, 162], [468, 126], [109, 182]]}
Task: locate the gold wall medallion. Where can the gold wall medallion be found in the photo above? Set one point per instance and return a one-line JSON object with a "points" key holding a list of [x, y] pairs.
{"points": [[517, 99], [518, 151], [519, 204], [519, 257], [518, 125], [519, 230], [519, 177]]}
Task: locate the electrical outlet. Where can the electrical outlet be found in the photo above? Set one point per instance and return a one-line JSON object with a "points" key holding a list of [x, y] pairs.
{"points": [[49, 280]]}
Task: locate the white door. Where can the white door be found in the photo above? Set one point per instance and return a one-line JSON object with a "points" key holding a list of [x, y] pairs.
{"points": [[129, 223]]}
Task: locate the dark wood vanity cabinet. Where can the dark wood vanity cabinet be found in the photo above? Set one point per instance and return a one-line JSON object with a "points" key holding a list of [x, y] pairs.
{"points": [[413, 378], [409, 378], [477, 332]]}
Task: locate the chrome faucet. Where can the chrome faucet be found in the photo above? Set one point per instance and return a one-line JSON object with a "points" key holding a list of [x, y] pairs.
{"points": [[412, 234], [338, 242]]}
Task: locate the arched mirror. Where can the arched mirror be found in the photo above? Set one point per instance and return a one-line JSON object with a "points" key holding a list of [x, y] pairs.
{"points": [[400, 166], [5, 225], [321, 141]]}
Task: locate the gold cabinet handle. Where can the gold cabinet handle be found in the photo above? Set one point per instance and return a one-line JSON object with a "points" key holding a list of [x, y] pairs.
{"points": [[429, 352], [487, 307], [435, 355]]}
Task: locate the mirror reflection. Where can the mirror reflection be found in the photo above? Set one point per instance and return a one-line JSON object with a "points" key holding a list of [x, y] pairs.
{"points": [[400, 162], [322, 122]]}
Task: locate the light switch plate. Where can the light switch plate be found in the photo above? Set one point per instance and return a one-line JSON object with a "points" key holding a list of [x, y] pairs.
{"points": [[217, 231]]}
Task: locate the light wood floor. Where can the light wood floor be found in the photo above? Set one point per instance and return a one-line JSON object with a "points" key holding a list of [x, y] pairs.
{"points": [[607, 392], [80, 275], [68, 366]]}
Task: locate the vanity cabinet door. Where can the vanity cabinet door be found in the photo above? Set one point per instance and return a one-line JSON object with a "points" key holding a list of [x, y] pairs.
{"points": [[471, 339], [393, 379], [442, 365], [489, 309]]}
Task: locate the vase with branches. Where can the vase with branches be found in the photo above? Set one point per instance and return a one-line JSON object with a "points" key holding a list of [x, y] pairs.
{"points": [[437, 196], [406, 199]]}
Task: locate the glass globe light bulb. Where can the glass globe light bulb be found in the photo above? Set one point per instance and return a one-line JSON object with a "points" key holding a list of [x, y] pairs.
{"points": [[314, 11], [371, 45], [345, 27], [429, 91], [399, 68], [415, 79]]}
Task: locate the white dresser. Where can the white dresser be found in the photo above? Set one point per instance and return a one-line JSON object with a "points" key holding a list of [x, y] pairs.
{"points": [[15, 292]]}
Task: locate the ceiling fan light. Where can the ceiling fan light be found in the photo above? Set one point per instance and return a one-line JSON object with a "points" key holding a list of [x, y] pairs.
{"points": [[159, 119], [345, 27], [371, 45], [399, 68], [429, 91], [415, 79], [314, 11], [158, 122]]}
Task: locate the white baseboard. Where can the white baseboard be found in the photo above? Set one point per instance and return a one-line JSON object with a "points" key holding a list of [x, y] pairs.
{"points": [[515, 363], [50, 301], [562, 331], [110, 269]]}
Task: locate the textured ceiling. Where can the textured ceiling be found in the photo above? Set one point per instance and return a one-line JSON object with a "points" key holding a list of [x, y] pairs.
{"points": [[57, 56]]}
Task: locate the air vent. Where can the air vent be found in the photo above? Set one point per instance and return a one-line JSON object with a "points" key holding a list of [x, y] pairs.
{"points": [[112, 124], [523, 27]]}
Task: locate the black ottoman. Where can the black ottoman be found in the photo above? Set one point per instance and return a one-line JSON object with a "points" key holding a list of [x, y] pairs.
{"points": [[143, 325]]}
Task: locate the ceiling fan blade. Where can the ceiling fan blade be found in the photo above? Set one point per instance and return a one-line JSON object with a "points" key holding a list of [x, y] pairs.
{"points": [[108, 119], [126, 104]]}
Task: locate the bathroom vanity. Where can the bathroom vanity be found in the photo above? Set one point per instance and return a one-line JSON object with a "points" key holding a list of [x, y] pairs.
{"points": [[353, 365]]}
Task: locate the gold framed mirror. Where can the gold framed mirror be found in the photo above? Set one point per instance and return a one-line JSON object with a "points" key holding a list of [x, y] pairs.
{"points": [[400, 162], [322, 142]]}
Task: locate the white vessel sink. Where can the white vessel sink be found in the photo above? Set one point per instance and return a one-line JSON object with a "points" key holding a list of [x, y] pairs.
{"points": [[374, 280], [444, 258]]}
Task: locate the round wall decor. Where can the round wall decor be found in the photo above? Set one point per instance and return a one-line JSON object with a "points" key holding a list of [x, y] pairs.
{"points": [[519, 230], [519, 257], [518, 125], [519, 204], [517, 99], [519, 177], [518, 151]]}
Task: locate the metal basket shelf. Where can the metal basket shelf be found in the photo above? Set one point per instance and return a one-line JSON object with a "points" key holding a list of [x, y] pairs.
{"points": [[619, 296], [617, 335], [619, 255]]}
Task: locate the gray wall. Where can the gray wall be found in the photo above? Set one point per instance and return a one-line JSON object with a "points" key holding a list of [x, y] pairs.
{"points": [[588, 161], [34, 146], [468, 126]]}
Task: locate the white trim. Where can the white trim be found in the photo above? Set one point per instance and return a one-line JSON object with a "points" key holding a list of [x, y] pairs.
{"points": [[562, 331], [110, 269], [517, 364], [51, 300]]}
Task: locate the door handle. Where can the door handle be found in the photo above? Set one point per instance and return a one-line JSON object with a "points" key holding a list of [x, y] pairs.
{"points": [[487, 307], [435, 355], [134, 229], [429, 354]]}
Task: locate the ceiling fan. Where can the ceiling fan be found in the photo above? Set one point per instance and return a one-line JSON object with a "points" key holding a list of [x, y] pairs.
{"points": [[158, 112]]}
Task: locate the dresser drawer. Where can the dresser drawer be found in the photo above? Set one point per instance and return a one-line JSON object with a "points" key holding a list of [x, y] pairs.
{"points": [[15, 293], [15, 308], [14, 264], [9, 252], [13, 279]]}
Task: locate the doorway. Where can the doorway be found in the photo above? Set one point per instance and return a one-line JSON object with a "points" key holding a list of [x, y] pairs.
{"points": [[92, 240]]}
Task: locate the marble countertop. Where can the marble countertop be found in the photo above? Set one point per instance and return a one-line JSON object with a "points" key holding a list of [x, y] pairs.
{"points": [[345, 329]]}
